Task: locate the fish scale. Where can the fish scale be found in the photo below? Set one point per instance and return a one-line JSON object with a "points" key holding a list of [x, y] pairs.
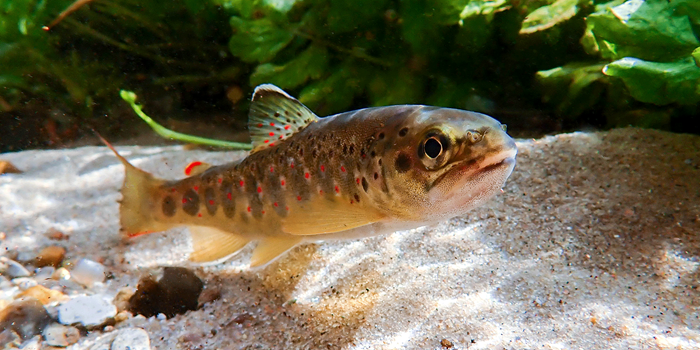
{"points": [[350, 175]]}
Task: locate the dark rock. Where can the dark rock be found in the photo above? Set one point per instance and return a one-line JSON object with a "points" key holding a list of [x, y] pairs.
{"points": [[175, 293], [26, 316]]}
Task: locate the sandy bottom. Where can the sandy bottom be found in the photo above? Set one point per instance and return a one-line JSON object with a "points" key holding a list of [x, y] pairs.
{"points": [[595, 244]]}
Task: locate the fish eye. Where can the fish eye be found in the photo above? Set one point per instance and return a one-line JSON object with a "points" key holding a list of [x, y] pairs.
{"points": [[432, 147]]}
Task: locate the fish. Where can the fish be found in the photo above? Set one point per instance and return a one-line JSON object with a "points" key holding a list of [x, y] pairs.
{"points": [[351, 175]]}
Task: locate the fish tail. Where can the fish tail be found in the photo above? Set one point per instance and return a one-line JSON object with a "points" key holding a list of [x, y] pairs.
{"points": [[136, 207]]}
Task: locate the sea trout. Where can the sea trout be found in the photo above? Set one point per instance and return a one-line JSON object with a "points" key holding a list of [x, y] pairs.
{"points": [[350, 175]]}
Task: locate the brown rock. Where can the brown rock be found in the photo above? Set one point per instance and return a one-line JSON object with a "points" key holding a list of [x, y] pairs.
{"points": [[8, 168], [50, 256], [25, 316], [44, 295]]}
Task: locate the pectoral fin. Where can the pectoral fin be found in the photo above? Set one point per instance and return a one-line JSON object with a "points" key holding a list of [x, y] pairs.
{"points": [[211, 244], [271, 248]]}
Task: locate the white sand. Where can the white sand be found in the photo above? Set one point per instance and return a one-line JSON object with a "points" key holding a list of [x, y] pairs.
{"points": [[595, 244]]}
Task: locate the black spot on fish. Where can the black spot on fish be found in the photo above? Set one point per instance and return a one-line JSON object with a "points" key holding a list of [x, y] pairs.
{"points": [[379, 162], [381, 136], [357, 198], [376, 176], [345, 149], [210, 201], [365, 185], [403, 132], [190, 202], [169, 206], [351, 149], [227, 199], [403, 163], [373, 154]]}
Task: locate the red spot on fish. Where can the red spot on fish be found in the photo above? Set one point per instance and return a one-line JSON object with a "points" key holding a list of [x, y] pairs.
{"points": [[298, 198], [286, 127], [249, 209], [275, 204], [282, 182], [306, 175], [357, 180], [291, 165], [272, 145], [199, 215], [211, 202], [272, 170], [320, 191], [337, 189], [351, 201], [188, 169], [286, 208], [228, 196], [323, 168], [342, 168], [172, 190], [266, 141], [263, 212], [195, 188], [260, 125], [220, 180], [272, 124], [272, 134], [281, 137], [184, 200], [259, 189], [241, 183]]}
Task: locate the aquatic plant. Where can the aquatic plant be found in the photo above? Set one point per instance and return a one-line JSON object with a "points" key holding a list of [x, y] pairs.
{"points": [[616, 62]]}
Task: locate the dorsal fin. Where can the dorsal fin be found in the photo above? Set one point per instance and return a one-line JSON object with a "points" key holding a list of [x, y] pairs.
{"points": [[275, 116]]}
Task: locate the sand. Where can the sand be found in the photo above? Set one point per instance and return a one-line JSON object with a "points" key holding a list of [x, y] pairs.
{"points": [[594, 244]]}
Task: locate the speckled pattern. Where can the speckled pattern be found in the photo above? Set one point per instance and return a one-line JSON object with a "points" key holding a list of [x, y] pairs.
{"points": [[595, 244]]}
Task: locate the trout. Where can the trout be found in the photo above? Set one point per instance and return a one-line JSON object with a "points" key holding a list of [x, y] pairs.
{"points": [[351, 175]]}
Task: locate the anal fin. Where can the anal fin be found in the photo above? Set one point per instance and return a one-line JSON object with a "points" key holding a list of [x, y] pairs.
{"points": [[212, 244], [271, 248]]}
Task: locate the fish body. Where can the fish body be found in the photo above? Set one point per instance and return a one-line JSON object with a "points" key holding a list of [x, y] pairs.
{"points": [[354, 174]]}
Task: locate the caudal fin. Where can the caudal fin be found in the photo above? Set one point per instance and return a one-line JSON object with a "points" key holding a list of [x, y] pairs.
{"points": [[136, 208]]}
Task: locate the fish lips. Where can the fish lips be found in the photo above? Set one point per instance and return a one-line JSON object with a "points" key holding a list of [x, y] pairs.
{"points": [[468, 184]]}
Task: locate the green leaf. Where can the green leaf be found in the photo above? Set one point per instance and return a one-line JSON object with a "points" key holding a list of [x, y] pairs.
{"points": [[658, 83], [398, 86], [548, 16], [335, 93], [486, 8], [570, 87], [311, 64], [344, 16], [257, 40], [648, 30]]}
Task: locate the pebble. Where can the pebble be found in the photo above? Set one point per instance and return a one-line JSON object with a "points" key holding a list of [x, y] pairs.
{"points": [[10, 339], [44, 295], [26, 316], [90, 311], [32, 344], [87, 272], [61, 274], [14, 269], [131, 339], [44, 273], [50, 256], [60, 335]]}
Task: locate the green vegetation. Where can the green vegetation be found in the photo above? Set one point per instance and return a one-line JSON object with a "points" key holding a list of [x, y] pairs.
{"points": [[575, 61]]}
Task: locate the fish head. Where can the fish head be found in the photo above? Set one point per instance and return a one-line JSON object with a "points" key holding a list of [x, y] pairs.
{"points": [[448, 161]]}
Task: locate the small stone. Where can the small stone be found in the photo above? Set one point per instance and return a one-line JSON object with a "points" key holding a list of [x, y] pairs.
{"points": [[7, 168], [10, 339], [14, 269], [175, 293], [121, 300], [25, 316], [44, 295], [61, 274], [44, 273], [122, 316], [131, 339], [56, 235], [446, 343], [90, 311], [60, 335], [50, 256], [32, 344], [87, 272]]}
